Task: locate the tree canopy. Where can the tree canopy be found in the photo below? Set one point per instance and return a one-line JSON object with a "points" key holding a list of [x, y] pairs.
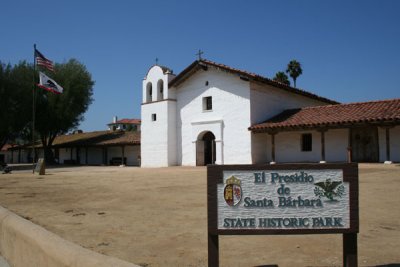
{"points": [[15, 100], [55, 113], [294, 70], [281, 77], [58, 113]]}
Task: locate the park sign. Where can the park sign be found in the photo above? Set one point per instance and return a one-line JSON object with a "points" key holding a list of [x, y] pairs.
{"points": [[283, 199]]}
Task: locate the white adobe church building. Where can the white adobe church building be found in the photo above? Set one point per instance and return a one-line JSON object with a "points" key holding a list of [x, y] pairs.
{"points": [[215, 114]]}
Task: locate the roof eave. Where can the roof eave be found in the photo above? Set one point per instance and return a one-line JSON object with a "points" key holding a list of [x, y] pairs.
{"points": [[203, 64], [316, 126]]}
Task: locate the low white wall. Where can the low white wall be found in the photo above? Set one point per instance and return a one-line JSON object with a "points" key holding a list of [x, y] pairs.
{"points": [[23, 244], [288, 147]]}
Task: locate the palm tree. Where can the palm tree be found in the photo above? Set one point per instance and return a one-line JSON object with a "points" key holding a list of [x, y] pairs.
{"points": [[281, 77], [294, 70]]}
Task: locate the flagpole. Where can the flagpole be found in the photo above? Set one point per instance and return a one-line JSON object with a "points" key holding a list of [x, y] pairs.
{"points": [[33, 109]]}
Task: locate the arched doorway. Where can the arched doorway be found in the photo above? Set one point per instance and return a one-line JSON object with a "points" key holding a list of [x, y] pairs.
{"points": [[205, 149]]}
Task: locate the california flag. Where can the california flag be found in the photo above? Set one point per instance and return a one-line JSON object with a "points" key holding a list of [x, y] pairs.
{"points": [[49, 84]]}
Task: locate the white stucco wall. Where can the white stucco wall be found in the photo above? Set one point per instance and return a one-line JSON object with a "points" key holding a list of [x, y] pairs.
{"points": [[132, 155], [65, 154], [259, 148], [95, 155], [336, 143], [228, 120], [156, 144], [171, 132], [154, 75], [268, 101], [158, 138], [288, 147]]}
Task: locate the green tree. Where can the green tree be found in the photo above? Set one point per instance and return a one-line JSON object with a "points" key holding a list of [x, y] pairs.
{"points": [[281, 77], [294, 70], [15, 100], [58, 113]]}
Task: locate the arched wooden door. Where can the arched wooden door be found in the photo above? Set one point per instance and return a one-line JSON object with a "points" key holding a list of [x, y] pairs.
{"points": [[205, 149]]}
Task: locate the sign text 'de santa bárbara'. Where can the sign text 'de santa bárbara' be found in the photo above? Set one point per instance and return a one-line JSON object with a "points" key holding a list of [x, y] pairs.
{"points": [[283, 199]]}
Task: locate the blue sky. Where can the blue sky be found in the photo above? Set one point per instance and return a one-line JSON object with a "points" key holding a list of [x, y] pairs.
{"points": [[349, 50]]}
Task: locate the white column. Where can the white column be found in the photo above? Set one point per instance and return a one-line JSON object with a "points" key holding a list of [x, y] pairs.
{"points": [[219, 152]]}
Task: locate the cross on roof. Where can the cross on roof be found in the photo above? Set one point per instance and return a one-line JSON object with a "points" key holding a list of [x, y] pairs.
{"points": [[199, 54], [156, 60]]}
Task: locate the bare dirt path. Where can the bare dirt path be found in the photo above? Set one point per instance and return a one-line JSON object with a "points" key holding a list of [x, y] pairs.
{"points": [[158, 217]]}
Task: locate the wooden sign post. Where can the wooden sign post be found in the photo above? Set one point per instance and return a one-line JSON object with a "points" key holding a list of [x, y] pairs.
{"points": [[283, 199]]}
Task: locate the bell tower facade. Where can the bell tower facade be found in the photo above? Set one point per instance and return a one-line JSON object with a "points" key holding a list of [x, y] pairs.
{"points": [[158, 129]]}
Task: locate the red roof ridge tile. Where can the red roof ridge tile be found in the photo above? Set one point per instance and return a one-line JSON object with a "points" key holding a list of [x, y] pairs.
{"points": [[352, 103]]}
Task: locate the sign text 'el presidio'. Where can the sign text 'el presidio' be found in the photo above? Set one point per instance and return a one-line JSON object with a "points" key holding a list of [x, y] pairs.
{"points": [[283, 199]]}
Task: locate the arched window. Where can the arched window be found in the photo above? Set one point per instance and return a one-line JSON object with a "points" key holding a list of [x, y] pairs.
{"points": [[160, 87], [149, 92]]}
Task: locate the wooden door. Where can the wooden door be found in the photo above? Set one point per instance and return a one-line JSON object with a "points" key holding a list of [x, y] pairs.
{"points": [[364, 144], [199, 153]]}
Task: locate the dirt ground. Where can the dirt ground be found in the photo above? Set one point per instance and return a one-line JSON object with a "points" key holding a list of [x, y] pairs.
{"points": [[158, 217]]}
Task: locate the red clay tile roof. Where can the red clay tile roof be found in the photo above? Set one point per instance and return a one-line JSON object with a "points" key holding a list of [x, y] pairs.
{"points": [[6, 147], [203, 64], [126, 121], [384, 111]]}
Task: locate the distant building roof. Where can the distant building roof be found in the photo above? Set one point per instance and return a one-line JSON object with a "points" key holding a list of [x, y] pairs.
{"points": [[98, 138], [374, 112], [6, 147], [204, 64], [91, 139], [126, 121]]}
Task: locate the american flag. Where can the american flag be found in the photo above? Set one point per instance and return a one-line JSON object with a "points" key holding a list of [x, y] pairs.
{"points": [[43, 61]]}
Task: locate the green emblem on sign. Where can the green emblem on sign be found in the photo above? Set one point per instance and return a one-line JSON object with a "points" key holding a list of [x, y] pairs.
{"points": [[329, 189]]}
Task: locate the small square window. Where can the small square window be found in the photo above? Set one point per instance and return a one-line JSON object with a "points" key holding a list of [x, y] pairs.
{"points": [[153, 117], [306, 142], [207, 103]]}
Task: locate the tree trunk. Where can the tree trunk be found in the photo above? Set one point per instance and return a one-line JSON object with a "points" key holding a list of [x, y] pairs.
{"points": [[48, 155]]}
